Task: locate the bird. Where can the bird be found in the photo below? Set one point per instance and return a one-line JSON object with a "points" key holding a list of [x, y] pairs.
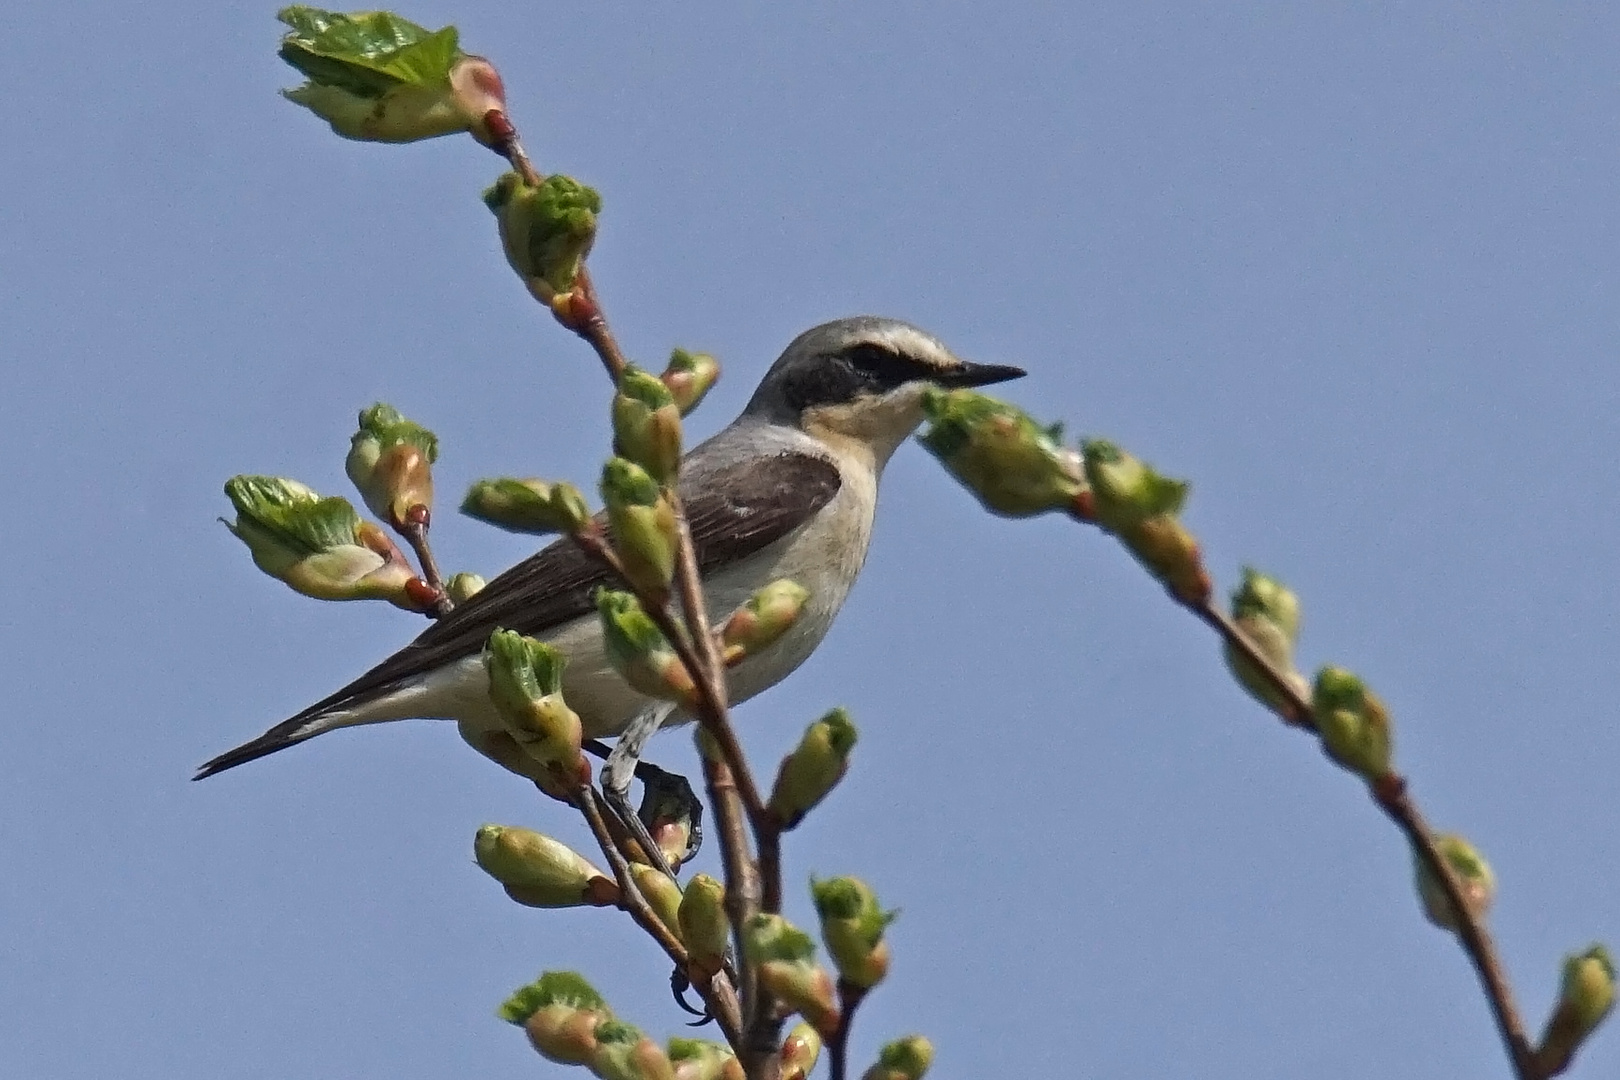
{"points": [[786, 490]]}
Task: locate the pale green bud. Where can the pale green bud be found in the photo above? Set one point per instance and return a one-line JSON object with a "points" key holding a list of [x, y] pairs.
{"points": [[464, 586], [624, 1053], [661, 892], [638, 650], [539, 871], [785, 958], [760, 622], [1268, 614], [852, 926], [704, 927], [647, 424], [700, 1059], [529, 506], [560, 1012], [318, 546], [814, 766], [1585, 997], [800, 1050], [645, 533], [379, 78], [903, 1059], [1473, 874], [689, 377], [1014, 466], [390, 461], [1353, 724], [1126, 491], [525, 683], [546, 229]]}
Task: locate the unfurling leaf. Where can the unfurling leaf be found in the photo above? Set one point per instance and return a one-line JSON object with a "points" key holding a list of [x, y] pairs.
{"points": [[318, 546], [379, 78]]}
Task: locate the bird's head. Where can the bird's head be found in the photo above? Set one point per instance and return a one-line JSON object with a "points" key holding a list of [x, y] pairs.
{"points": [[859, 382]]}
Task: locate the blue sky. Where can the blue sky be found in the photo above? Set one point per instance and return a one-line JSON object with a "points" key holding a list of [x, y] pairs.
{"points": [[1352, 270]]}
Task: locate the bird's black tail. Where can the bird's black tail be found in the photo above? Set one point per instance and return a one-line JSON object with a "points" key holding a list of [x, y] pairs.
{"points": [[288, 733]]}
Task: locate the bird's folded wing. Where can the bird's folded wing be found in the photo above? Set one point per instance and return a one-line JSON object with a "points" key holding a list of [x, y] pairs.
{"points": [[733, 512]]}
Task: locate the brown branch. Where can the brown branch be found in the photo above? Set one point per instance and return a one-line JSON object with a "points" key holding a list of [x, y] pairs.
{"points": [[850, 997], [721, 1005], [579, 309], [733, 795], [415, 531], [1393, 797]]}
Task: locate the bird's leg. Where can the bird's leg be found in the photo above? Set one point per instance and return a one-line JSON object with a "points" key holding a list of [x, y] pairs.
{"points": [[665, 794], [621, 768]]}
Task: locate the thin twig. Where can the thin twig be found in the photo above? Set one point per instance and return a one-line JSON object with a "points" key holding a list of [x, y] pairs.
{"points": [[415, 531], [729, 1018], [1394, 798], [579, 310], [733, 794], [850, 997], [769, 839]]}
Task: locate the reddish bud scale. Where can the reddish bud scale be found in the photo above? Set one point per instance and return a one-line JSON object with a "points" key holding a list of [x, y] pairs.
{"points": [[418, 514], [1084, 506], [423, 595], [601, 892], [501, 131]]}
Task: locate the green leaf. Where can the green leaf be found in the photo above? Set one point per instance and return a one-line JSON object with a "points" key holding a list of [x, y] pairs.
{"points": [[293, 513], [384, 423], [552, 988], [367, 53]]}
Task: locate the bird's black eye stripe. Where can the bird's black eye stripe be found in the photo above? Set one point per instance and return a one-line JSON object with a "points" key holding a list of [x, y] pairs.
{"points": [[884, 367]]}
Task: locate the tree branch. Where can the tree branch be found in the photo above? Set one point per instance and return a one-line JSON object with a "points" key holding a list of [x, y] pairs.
{"points": [[1394, 798]]}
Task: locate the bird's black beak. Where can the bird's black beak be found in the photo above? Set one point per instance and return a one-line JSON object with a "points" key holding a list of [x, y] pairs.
{"points": [[978, 375]]}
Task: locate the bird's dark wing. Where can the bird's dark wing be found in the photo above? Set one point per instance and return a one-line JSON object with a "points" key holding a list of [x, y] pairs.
{"points": [[733, 511]]}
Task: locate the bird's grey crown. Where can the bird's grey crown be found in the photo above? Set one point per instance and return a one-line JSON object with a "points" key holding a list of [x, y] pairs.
{"points": [[839, 361]]}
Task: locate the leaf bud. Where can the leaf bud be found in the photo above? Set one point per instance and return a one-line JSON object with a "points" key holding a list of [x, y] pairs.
{"points": [[1353, 724], [704, 927], [661, 892], [560, 1012], [852, 926], [390, 463], [766, 616], [525, 683], [1011, 464], [814, 766], [1473, 874], [689, 377], [376, 77], [700, 1059], [546, 229], [624, 1053], [638, 650], [539, 871], [647, 424], [1585, 997], [1268, 614], [785, 958], [464, 586], [800, 1050], [318, 546], [645, 533], [903, 1059], [1125, 490], [534, 507]]}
